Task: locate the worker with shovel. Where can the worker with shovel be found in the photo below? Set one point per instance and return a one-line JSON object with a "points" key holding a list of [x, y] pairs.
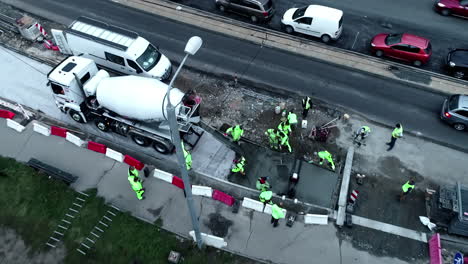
{"points": [[284, 140], [272, 137], [325, 155]]}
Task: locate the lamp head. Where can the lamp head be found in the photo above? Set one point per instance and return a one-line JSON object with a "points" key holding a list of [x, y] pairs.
{"points": [[193, 45]]}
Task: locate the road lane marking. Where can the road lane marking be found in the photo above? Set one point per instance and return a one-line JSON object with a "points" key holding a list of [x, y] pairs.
{"points": [[355, 38], [391, 229]]}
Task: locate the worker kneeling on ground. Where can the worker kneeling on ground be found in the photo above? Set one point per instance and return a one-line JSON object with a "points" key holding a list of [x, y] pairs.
{"points": [[188, 157], [265, 197], [236, 132], [284, 127], [325, 155], [239, 166], [262, 184], [362, 132], [272, 137], [276, 214]]}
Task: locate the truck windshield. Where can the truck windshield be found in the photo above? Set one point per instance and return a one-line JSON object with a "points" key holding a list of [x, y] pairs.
{"points": [[149, 58]]}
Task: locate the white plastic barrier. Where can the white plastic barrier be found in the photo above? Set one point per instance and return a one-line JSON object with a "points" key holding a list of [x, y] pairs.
{"points": [[210, 240], [41, 129], [74, 139], [252, 204], [267, 209], [114, 155], [165, 176], [316, 219], [202, 190], [15, 125]]}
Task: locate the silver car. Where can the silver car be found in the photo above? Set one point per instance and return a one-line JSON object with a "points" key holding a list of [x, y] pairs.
{"points": [[455, 111]]}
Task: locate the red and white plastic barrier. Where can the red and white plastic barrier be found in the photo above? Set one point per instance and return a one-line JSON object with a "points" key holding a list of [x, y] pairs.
{"points": [[74, 139], [115, 155], [210, 240], [202, 190], [41, 129], [41, 29], [316, 219], [252, 204], [353, 196], [162, 175], [48, 44], [435, 250], [6, 114], [15, 125], [223, 197]]}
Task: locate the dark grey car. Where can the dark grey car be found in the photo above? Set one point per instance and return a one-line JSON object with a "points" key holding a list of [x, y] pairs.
{"points": [[256, 10], [457, 63], [455, 111]]}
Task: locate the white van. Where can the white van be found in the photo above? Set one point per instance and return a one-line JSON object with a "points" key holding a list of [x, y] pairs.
{"points": [[113, 48], [314, 20]]}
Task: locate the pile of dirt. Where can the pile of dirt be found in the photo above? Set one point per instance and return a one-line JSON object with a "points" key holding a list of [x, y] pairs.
{"points": [[225, 102]]}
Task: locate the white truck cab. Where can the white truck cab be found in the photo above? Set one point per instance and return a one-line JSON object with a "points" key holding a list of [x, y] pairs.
{"points": [[114, 48]]}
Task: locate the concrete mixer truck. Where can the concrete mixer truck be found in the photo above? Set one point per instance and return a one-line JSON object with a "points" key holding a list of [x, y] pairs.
{"points": [[131, 106]]}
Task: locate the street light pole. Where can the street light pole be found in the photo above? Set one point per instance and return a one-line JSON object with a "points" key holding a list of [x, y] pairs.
{"points": [[191, 48]]}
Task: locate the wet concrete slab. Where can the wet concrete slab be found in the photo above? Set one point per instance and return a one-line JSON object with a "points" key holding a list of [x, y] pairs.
{"points": [[316, 185]]}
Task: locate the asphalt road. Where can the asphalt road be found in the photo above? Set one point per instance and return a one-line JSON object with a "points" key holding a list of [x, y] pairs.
{"points": [[382, 100], [363, 19]]}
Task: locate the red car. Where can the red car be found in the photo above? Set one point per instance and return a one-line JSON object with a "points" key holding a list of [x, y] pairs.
{"points": [[452, 7], [407, 47]]}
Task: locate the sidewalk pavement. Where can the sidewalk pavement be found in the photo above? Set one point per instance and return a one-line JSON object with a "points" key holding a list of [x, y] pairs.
{"points": [[248, 233]]}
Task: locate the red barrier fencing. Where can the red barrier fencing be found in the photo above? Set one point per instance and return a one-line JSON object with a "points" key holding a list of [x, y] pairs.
{"points": [[94, 146], [6, 114], [435, 249], [222, 197], [177, 182], [58, 131], [133, 162]]}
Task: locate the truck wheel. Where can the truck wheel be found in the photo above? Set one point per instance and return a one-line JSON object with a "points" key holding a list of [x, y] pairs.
{"points": [[75, 115], [141, 140], [161, 147], [102, 125]]}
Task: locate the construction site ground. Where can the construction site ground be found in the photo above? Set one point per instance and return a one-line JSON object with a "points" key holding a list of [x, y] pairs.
{"points": [[228, 102]]}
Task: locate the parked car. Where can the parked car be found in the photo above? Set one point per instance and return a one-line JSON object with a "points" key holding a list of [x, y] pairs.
{"points": [[314, 20], [455, 111], [256, 10], [457, 63], [406, 47], [452, 7]]}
